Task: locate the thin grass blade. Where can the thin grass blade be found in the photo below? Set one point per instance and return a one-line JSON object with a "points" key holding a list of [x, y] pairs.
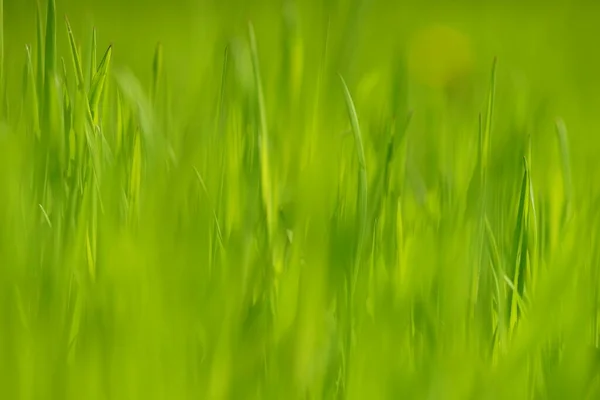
{"points": [[520, 249], [97, 85], [362, 180], [157, 71], [93, 56], [485, 141], [75, 57], [40, 52], [563, 142], [34, 113], [263, 145]]}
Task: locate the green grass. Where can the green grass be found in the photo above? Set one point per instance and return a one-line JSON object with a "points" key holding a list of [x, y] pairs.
{"points": [[294, 209]]}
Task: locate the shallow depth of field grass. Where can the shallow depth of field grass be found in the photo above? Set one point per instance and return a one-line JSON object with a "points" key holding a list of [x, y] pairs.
{"points": [[347, 199]]}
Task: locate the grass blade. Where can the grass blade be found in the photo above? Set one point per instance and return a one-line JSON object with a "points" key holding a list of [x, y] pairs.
{"points": [[49, 105], [34, 113], [40, 52], [563, 142], [93, 55], [135, 176], [395, 141], [51, 57], [485, 141], [97, 85], [362, 179], [75, 58], [263, 145], [157, 68], [520, 249]]}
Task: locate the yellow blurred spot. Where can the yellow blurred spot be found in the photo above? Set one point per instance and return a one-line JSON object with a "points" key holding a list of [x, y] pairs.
{"points": [[439, 55]]}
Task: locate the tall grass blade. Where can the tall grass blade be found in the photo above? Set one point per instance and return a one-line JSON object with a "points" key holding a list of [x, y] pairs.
{"points": [[50, 105], [520, 249], [135, 176], [75, 58], [497, 271], [50, 55], [119, 124], [97, 85], [34, 112], [485, 142], [263, 145], [398, 135], [362, 180], [93, 56], [40, 51], [157, 71], [563, 143]]}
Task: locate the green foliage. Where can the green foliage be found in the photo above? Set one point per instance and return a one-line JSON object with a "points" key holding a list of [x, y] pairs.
{"points": [[240, 229]]}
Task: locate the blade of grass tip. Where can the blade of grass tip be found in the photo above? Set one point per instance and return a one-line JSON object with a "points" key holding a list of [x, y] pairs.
{"points": [[534, 217], [97, 85], [563, 142], [50, 57], [210, 204], [157, 68], [93, 56], [529, 264], [35, 116], [520, 243], [75, 58], [40, 52], [51, 105], [45, 215], [485, 142], [362, 179], [265, 171]]}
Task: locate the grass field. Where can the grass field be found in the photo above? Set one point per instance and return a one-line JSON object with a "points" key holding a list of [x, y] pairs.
{"points": [[287, 199]]}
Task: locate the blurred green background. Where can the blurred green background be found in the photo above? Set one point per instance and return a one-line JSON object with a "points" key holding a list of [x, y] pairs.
{"points": [[545, 48], [170, 307]]}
